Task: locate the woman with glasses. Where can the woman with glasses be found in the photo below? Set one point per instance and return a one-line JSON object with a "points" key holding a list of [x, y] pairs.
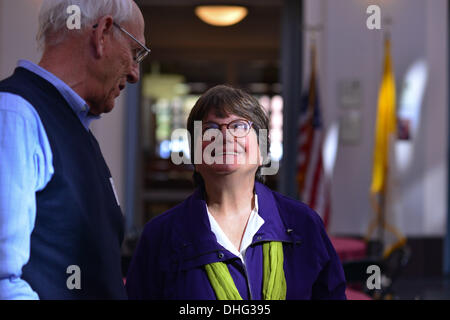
{"points": [[234, 238]]}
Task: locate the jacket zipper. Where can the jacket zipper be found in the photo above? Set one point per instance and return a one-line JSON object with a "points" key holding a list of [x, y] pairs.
{"points": [[248, 279], [245, 267]]}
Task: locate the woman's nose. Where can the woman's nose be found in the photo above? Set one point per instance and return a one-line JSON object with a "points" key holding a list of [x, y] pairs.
{"points": [[226, 134]]}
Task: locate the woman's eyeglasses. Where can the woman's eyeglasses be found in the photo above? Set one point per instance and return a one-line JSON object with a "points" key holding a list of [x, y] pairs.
{"points": [[238, 128]]}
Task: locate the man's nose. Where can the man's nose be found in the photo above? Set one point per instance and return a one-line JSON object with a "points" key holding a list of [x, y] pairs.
{"points": [[133, 75]]}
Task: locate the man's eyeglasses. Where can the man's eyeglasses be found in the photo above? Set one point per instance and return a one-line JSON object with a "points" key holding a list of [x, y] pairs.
{"points": [[238, 128], [138, 55]]}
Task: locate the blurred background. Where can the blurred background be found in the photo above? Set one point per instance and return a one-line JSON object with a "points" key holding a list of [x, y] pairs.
{"points": [[270, 53]]}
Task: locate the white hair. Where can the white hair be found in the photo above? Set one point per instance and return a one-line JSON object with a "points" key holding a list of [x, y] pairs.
{"points": [[53, 16]]}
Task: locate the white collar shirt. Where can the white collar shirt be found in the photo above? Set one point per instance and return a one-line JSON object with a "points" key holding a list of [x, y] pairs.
{"points": [[255, 221]]}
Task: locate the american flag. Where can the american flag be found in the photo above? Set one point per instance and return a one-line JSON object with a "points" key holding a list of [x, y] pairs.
{"points": [[313, 187]]}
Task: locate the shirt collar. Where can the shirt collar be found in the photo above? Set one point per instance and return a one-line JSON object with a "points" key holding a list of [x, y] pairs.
{"points": [[196, 227], [254, 223], [78, 105], [194, 242]]}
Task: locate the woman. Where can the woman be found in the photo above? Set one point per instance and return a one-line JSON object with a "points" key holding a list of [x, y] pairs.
{"points": [[234, 238]]}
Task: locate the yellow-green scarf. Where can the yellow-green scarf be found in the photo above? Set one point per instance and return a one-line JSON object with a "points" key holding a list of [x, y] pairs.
{"points": [[274, 281]]}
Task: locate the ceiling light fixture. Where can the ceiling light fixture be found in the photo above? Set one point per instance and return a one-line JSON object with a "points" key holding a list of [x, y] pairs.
{"points": [[221, 15]]}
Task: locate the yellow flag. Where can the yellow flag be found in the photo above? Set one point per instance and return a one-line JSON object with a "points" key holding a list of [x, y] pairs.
{"points": [[384, 147], [386, 124]]}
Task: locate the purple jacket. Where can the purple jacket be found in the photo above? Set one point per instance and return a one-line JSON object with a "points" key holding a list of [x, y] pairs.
{"points": [[174, 247]]}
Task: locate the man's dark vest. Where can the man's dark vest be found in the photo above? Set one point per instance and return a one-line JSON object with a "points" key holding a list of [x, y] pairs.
{"points": [[78, 220]]}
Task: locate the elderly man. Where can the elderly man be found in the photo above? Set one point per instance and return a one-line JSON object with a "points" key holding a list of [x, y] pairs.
{"points": [[61, 226]]}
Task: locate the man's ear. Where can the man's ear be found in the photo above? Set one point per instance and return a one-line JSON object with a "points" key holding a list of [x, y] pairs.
{"points": [[101, 34]]}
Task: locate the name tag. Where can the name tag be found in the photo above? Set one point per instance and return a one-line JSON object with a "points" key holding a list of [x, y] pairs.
{"points": [[114, 190]]}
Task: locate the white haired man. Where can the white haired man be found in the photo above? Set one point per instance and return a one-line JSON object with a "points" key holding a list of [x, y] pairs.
{"points": [[61, 227]]}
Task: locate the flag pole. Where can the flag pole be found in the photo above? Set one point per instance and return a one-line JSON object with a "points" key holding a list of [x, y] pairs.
{"points": [[380, 186], [382, 206], [378, 190], [382, 209], [311, 179]]}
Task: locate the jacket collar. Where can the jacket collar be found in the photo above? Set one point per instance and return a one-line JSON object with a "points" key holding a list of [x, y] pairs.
{"points": [[274, 228], [194, 242]]}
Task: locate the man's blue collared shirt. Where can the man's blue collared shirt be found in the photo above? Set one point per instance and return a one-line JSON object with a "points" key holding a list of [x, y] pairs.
{"points": [[26, 167]]}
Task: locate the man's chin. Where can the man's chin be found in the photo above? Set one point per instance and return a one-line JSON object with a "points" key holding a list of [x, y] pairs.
{"points": [[101, 109], [109, 106]]}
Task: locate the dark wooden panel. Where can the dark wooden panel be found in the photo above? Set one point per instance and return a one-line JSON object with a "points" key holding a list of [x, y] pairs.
{"points": [[178, 27], [259, 3]]}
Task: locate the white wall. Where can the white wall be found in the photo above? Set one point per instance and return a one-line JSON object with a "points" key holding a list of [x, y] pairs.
{"points": [[18, 28], [350, 51], [435, 152], [110, 133]]}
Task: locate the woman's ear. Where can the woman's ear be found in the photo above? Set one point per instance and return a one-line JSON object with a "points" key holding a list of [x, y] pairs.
{"points": [[261, 159], [263, 147]]}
